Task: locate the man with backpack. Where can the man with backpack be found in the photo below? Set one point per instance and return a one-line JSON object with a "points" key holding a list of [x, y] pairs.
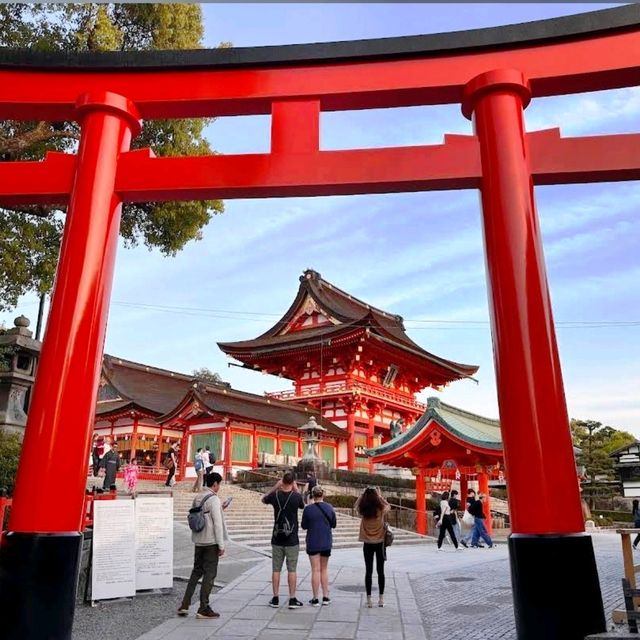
{"points": [[286, 501], [207, 534]]}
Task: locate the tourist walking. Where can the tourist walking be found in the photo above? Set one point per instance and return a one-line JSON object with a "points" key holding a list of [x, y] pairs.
{"points": [[372, 507], [454, 503], [318, 519], [445, 522], [635, 513], [209, 546], [131, 476], [465, 541], [111, 464], [286, 501], [198, 465], [479, 530], [171, 462], [209, 460]]}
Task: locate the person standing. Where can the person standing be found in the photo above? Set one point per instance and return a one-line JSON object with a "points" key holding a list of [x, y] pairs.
{"points": [[445, 522], [372, 507], [454, 503], [286, 501], [311, 482], [635, 513], [111, 464], [209, 546], [131, 476], [171, 462], [318, 519], [479, 530], [198, 466], [209, 460], [465, 541]]}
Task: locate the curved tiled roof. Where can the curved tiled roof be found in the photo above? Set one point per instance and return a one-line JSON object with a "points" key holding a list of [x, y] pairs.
{"points": [[352, 315], [161, 392], [476, 431]]}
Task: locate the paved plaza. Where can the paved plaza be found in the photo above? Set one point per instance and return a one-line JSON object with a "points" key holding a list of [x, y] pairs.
{"points": [[429, 594]]}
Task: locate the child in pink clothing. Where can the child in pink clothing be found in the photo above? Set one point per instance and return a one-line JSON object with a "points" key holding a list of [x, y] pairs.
{"points": [[131, 475]]}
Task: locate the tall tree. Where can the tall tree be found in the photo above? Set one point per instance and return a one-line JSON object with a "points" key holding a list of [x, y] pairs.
{"points": [[30, 235]]}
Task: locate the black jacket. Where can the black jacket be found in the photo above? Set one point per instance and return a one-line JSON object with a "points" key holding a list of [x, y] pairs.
{"points": [[475, 509]]}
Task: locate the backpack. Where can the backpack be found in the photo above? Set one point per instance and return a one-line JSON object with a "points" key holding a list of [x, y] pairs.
{"points": [[196, 515], [198, 464], [282, 527]]}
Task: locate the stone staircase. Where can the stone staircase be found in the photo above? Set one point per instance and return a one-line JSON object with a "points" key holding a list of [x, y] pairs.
{"points": [[249, 522]]}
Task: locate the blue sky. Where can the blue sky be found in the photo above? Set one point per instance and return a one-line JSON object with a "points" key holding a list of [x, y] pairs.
{"points": [[419, 255]]}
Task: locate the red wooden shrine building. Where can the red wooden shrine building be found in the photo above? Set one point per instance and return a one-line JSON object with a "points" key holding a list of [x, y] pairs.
{"points": [[352, 363], [447, 445], [146, 410]]}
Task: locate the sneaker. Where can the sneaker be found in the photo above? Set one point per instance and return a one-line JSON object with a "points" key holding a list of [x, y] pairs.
{"points": [[314, 602], [464, 544], [183, 611], [326, 601], [207, 613], [294, 603], [440, 549], [459, 549], [274, 602]]}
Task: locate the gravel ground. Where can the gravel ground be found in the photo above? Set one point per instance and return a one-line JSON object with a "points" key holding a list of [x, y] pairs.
{"points": [[127, 619]]}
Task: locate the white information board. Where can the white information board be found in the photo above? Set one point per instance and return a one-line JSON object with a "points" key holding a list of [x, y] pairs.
{"points": [[113, 573], [154, 542]]}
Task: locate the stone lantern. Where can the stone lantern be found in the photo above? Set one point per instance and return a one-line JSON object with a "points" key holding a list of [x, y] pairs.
{"points": [[19, 354], [311, 460]]}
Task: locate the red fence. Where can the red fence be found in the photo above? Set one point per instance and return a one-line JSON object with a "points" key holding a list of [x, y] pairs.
{"points": [[5, 506]]}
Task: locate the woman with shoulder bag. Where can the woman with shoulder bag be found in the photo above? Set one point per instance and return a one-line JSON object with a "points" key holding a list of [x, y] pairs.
{"points": [[372, 507], [318, 519], [446, 524]]}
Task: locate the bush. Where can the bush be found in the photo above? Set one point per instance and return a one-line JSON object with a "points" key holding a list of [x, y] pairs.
{"points": [[367, 479], [10, 445], [611, 516], [341, 502]]}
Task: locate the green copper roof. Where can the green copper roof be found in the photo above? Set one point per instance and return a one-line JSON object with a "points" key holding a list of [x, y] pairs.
{"points": [[476, 430]]}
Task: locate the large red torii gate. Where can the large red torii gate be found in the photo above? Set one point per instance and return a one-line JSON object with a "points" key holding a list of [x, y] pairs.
{"points": [[492, 73]]}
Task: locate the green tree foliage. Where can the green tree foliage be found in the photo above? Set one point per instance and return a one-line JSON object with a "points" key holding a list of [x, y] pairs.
{"points": [[30, 235], [205, 374], [10, 444], [596, 442]]}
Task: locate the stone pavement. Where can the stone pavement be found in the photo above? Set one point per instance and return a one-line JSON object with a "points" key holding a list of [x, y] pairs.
{"points": [[463, 595]]}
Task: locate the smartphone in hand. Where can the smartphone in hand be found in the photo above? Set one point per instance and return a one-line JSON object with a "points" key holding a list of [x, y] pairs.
{"points": [[227, 502]]}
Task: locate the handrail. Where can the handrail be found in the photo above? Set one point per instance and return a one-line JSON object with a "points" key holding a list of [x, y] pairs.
{"points": [[346, 386]]}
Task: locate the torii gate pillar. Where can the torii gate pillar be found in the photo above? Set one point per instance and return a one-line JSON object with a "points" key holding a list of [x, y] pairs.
{"points": [[551, 534]]}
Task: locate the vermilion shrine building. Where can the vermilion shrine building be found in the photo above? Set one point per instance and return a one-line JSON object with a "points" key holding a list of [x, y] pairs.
{"points": [[147, 410], [350, 363]]}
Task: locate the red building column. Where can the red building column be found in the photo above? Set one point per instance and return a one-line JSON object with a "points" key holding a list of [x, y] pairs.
{"points": [[159, 452], [421, 496], [351, 440], [227, 450], [534, 422], [39, 558]]}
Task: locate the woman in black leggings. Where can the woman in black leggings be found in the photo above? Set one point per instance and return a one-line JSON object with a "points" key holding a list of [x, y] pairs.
{"points": [[446, 521], [372, 507]]}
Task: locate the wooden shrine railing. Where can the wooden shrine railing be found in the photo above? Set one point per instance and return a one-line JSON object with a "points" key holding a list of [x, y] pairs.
{"points": [[347, 386]]}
